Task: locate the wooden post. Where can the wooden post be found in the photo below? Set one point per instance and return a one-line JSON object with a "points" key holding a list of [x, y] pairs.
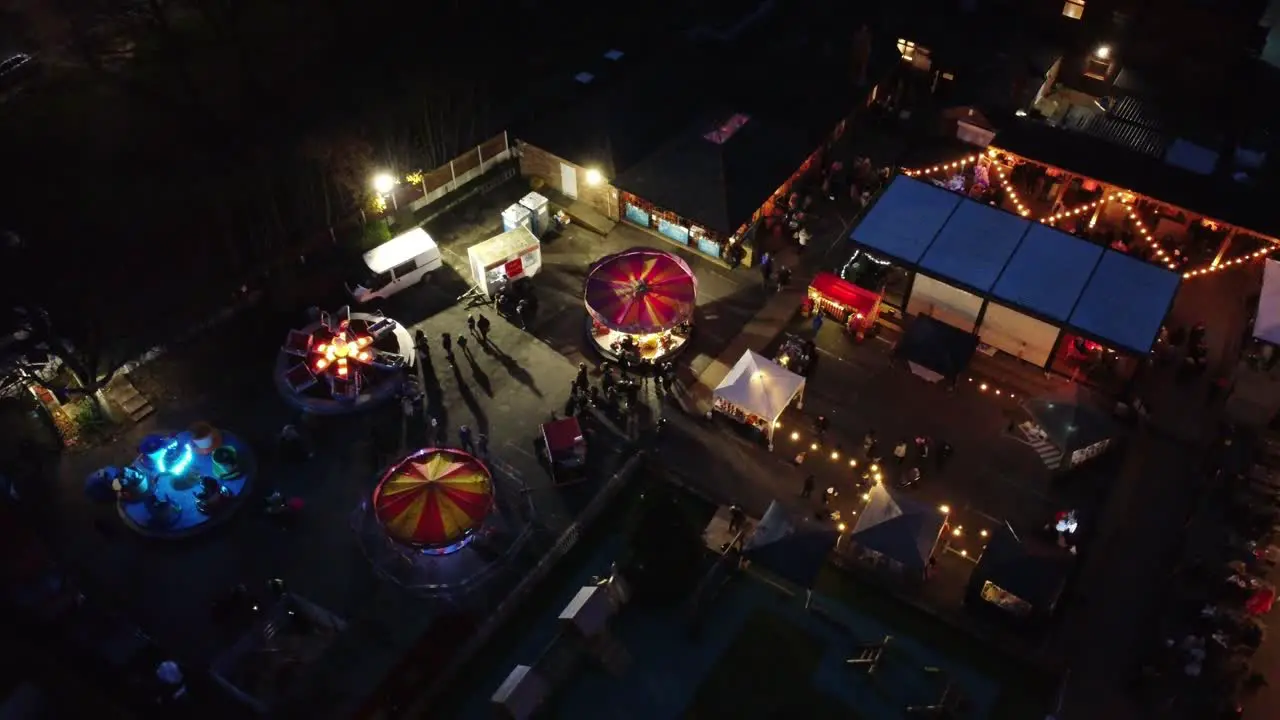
{"points": [[453, 178], [1222, 249]]}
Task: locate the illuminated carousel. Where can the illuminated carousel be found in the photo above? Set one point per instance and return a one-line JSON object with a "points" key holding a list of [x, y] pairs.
{"points": [[343, 362], [180, 483], [439, 521], [640, 303]]}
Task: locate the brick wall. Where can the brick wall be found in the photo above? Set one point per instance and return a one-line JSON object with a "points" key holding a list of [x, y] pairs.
{"points": [[536, 162]]}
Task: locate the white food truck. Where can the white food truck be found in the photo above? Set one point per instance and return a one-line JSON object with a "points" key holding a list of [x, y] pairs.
{"points": [[396, 264], [505, 258]]}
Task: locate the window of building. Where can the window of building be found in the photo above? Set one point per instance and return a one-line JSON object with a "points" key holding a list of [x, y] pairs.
{"points": [[1073, 9], [1097, 69], [915, 54]]}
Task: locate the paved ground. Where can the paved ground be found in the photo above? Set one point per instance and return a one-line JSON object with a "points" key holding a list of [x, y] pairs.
{"points": [[224, 378]]}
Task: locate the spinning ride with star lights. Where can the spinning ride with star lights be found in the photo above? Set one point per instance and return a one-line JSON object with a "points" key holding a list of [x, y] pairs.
{"points": [[343, 362], [437, 521], [640, 302]]}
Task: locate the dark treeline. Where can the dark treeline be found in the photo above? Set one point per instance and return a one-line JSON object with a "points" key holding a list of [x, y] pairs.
{"points": [[169, 149]]}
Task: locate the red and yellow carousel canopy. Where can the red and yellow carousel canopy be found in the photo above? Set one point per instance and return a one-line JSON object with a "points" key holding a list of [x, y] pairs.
{"points": [[641, 291], [433, 498]]}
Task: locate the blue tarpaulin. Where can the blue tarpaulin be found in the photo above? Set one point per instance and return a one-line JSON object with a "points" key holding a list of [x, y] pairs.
{"points": [[905, 219], [1047, 272], [1125, 302], [974, 245]]}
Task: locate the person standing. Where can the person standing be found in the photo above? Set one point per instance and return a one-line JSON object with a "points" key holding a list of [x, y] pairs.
{"points": [[462, 344], [900, 451], [869, 443], [737, 519], [446, 342], [582, 380], [464, 439], [482, 324], [471, 324], [482, 445], [817, 321]]}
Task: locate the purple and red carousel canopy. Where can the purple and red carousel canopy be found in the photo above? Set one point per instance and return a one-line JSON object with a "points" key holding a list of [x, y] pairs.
{"points": [[641, 291]]}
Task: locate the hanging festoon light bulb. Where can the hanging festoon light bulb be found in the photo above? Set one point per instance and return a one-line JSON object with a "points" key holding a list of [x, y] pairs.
{"points": [[1208, 269], [1011, 193], [952, 166]]}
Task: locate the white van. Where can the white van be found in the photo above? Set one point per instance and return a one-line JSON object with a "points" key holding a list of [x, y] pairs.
{"points": [[396, 264]]}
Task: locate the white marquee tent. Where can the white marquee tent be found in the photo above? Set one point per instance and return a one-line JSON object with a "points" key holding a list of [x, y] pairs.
{"points": [[1266, 326], [758, 386]]}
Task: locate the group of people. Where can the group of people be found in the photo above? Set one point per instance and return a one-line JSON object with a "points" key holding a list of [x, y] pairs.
{"points": [[617, 392]]}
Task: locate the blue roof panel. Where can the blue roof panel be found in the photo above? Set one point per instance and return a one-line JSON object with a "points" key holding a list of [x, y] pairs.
{"points": [[974, 245], [1125, 302], [1047, 272], [905, 219]]}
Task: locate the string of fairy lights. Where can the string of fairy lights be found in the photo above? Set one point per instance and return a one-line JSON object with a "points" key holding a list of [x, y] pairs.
{"points": [[873, 473], [1159, 253]]}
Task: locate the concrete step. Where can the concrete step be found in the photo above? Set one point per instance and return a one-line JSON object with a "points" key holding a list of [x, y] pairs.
{"points": [[121, 392]]}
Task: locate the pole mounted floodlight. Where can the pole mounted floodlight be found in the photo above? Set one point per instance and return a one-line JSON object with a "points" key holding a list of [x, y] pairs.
{"points": [[384, 183]]}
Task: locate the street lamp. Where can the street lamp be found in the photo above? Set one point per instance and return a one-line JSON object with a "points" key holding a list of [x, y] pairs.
{"points": [[384, 184], [594, 177]]}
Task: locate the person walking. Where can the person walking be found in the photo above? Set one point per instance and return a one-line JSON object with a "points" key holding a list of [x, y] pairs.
{"points": [[807, 490], [471, 324], [522, 313], [784, 277], [462, 344], [944, 453], [816, 324], [464, 439], [737, 519], [482, 324], [482, 445], [582, 380], [446, 342]]}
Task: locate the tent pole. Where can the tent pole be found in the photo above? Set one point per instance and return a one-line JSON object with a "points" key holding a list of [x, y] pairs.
{"points": [[772, 425], [800, 398]]}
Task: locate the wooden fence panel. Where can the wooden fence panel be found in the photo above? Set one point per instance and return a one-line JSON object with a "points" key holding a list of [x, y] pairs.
{"points": [[466, 162], [493, 147], [436, 179]]}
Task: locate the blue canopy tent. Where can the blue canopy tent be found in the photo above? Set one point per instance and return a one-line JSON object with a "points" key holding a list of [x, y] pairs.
{"points": [[954, 255], [899, 529], [935, 350], [794, 549], [1125, 302], [1023, 579], [905, 219], [1047, 273], [1074, 423]]}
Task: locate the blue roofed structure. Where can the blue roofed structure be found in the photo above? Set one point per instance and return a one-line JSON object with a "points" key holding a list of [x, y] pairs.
{"points": [[1015, 283], [1047, 272], [1125, 302], [974, 245], [906, 218]]}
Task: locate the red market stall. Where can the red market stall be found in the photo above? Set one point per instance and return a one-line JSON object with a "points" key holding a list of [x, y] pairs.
{"points": [[851, 305]]}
